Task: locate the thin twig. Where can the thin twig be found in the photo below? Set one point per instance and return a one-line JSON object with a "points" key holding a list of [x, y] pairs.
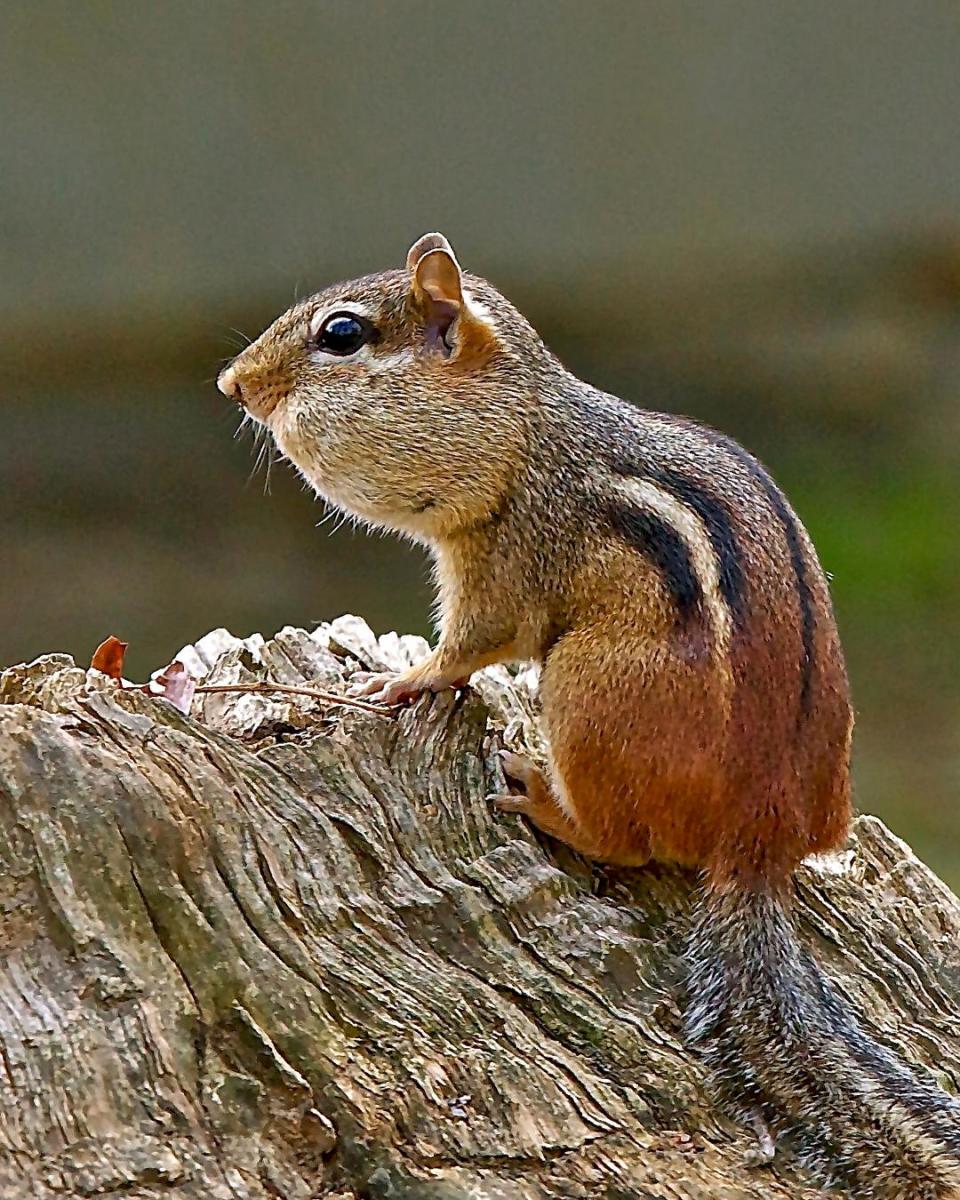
{"points": [[329, 697]]}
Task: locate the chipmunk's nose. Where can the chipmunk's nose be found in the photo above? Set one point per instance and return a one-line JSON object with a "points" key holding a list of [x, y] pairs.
{"points": [[229, 384]]}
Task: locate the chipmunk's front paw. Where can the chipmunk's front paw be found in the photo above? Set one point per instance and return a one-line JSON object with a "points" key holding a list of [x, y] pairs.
{"points": [[390, 688]]}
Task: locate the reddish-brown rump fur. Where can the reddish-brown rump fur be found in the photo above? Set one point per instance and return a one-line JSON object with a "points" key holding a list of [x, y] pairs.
{"points": [[651, 768]]}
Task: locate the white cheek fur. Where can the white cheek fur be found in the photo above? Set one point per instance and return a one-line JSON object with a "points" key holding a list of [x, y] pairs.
{"points": [[283, 425], [376, 364]]}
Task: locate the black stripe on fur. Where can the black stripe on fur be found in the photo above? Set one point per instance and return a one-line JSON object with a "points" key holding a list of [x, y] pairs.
{"points": [[658, 541]]}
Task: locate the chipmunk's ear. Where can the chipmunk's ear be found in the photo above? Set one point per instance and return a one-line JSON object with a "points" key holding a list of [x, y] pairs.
{"points": [[452, 325]]}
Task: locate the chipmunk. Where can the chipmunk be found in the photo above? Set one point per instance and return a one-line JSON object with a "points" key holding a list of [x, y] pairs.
{"points": [[694, 692]]}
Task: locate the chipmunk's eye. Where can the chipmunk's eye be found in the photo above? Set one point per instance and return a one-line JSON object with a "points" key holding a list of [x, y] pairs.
{"points": [[343, 333]]}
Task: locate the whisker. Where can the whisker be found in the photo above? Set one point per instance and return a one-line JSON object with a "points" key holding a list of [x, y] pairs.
{"points": [[271, 459], [327, 516], [254, 470], [344, 518], [262, 444]]}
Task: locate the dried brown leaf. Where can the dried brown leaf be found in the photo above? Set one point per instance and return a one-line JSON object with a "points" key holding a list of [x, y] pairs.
{"points": [[108, 657]]}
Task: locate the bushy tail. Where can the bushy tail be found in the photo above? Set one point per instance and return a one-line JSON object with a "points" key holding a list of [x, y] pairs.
{"points": [[785, 1052]]}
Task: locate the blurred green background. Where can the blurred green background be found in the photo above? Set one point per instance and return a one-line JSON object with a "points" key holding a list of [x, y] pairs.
{"points": [[748, 211]]}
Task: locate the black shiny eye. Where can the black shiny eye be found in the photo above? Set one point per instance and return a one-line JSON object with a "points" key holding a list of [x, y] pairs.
{"points": [[343, 333]]}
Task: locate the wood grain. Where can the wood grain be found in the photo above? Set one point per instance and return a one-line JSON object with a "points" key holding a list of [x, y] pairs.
{"points": [[279, 949]]}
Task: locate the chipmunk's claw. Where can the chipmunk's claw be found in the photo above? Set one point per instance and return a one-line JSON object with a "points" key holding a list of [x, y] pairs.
{"points": [[386, 688], [509, 802], [404, 688], [518, 767]]}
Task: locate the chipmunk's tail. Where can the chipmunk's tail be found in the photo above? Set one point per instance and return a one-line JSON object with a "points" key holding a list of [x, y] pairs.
{"points": [[788, 1056]]}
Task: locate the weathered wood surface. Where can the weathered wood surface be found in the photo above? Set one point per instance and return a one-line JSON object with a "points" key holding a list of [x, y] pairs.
{"points": [[275, 950]]}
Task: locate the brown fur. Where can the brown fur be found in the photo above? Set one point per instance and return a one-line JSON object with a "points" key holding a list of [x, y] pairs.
{"points": [[693, 685]]}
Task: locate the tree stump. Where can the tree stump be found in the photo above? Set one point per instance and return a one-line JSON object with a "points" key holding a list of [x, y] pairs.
{"points": [[278, 949]]}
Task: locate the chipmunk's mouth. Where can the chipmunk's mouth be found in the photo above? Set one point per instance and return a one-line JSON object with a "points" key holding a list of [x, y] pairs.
{"points": [[258, 397], [261, 407]]}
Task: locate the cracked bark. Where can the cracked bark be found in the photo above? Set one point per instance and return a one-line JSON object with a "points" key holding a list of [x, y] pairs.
{"points": [[282, 950]]}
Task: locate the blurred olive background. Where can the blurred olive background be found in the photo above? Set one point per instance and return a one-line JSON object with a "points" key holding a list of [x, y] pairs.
{"points": [[748, 211]]}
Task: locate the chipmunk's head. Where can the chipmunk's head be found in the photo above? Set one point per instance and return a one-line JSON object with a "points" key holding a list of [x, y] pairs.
{"points": [[401, 397]]}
